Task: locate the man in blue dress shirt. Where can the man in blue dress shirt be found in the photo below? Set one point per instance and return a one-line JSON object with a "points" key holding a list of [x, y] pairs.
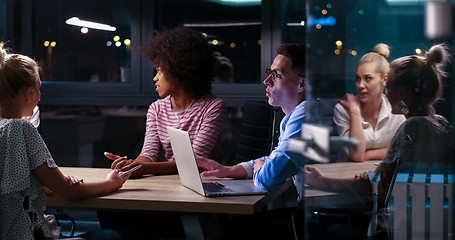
{"points": [[285, 83], [285, 89]]}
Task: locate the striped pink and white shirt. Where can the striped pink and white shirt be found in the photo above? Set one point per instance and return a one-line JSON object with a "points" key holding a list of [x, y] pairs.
{"points": [[203, 121]]}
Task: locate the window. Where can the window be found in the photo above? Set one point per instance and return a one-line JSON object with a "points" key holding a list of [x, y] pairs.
{"points": [[69, 49], [233, 31], [86, 66]]}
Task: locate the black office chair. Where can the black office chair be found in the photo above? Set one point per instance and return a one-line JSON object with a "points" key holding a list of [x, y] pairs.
{"points": [[259, 131], [320, 112]]}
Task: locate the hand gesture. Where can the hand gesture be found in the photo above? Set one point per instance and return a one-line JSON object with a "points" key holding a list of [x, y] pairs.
{"points": [[351, 103], [121, 163]]}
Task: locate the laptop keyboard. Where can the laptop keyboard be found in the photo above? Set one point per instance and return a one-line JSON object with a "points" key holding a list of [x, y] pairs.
{"points": [[216, 187]]}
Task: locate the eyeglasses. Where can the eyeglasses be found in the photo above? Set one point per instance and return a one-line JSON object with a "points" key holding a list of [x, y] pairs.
{"points": [[275, 75]]}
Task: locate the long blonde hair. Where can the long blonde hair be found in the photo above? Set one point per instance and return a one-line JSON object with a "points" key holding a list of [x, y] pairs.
{"points": [[16, 72]]}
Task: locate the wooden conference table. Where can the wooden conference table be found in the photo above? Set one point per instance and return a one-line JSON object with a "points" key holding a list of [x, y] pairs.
{"points": [[164, 193]]}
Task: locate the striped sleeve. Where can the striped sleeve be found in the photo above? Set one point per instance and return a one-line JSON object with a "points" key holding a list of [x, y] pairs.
{"points": [[151, 145], [206, 140]]}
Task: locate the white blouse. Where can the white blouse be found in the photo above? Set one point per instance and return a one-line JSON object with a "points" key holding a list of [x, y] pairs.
{"points": [[380, 137], [22, 199]]}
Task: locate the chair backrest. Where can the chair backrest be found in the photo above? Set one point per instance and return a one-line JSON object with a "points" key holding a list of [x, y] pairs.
{"points": [[259, 130], [320, 111]]}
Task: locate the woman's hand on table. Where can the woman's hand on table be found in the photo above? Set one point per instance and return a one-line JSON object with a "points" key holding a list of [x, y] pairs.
{"points": [[363, 176], [47, 191], [116, 179], [313, 176], [73, 180]]}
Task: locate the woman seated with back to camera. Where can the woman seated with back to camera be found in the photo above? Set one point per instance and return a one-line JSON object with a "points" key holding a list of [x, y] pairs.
{"points": [[367, 117], [413, 86], [28, 171]]}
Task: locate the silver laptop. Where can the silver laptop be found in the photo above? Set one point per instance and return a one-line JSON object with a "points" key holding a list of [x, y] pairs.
{"points": [[189, 173]]}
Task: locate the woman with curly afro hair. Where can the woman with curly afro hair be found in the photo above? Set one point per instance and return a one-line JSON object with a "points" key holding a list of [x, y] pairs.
{"points": [[184, 67], [184, 71]]}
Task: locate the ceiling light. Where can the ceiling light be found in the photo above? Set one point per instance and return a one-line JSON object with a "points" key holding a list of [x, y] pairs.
{"points": [[81, 23], [222, 24], [237, 3]]}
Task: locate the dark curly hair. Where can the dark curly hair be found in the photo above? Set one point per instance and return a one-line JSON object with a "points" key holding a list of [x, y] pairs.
{"points": [[184, 55]]}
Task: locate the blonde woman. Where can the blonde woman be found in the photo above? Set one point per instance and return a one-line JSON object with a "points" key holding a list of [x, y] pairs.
{"points": [[415, 84], [27, 167], [367, 117]]}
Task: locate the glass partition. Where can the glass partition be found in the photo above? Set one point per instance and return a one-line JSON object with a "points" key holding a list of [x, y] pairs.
{"points": [[338, 34], [2, 22]]}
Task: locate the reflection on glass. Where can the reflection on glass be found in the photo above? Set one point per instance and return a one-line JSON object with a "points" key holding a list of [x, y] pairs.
{"points": [[2, 22], [337, 35], [84, 49], [233, 30], [295, 21], [87, 54]]}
